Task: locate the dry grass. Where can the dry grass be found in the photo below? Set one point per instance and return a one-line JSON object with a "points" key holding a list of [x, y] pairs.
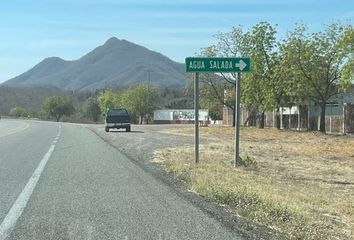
{"points": [[302, 184]]}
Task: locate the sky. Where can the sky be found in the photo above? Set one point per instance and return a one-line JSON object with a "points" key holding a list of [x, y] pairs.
{"points": [[31, 30]]}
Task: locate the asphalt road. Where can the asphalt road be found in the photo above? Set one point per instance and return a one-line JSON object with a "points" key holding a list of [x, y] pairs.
{"points": [[62, 181]]}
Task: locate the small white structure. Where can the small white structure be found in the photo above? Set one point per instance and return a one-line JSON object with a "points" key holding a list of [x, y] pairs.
{"points": [[179, 115]]}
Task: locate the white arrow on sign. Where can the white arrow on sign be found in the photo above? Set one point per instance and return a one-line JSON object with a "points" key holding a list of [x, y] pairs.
{"points": [[241, 65]]}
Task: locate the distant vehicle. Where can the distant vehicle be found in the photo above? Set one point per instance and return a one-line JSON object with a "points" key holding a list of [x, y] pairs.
{"points": [[117, 118]]}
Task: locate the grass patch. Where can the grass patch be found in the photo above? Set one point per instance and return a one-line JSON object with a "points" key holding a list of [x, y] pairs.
{"points": [[299, 184], [247, 161]]}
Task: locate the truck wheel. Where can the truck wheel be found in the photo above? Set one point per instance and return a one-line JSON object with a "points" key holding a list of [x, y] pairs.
{"points": [[127, 129], [106, 129]]}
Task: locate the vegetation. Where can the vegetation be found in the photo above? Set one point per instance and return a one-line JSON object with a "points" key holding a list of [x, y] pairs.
{"points": [[58, 106], [140, 100], [18, 112], [108, 99], [209, 95], [317, 62], [258, 86], [300, 69], [303, 68], [30, 98], [91, 109], [176, 98], [301, 184]]}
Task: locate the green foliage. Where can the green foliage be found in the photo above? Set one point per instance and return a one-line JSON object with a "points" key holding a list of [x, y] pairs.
{"points": [[211, 94], [209, 99], [140, 100], [319, 63], [258, 86], [218, 90], [108, 99], [347, 43], [91, 109], [58, 106], [247, 161], [18, 112], [30, 98], [305, 67]]}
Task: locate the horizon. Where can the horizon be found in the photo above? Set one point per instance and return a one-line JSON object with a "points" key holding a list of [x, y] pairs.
{"points": [[34, 30]]}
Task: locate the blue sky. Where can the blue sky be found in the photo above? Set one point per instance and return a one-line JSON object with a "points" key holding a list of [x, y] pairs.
{"points": [[31, 30]]}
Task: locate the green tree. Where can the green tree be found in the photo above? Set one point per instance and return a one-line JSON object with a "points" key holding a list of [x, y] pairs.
{"points": [[260, 44], [347, 43], [322, 63], [140, 100], [91, 109], [18, 112], [260, 86], [218, 89], [108, 99], [58, 106]]}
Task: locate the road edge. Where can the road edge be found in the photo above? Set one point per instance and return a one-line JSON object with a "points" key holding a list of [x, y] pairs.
{"points": [[214, 210]]}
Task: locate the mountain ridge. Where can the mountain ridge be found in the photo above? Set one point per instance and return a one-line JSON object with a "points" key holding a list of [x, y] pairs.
{"points": [[115, 64]]}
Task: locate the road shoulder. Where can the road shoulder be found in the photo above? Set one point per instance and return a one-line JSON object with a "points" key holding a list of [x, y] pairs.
{"points": [[139, 147]]}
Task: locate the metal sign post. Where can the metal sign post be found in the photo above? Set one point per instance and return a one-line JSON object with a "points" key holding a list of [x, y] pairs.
{"points": [[237, 117], [219, 65], [196, 116]]}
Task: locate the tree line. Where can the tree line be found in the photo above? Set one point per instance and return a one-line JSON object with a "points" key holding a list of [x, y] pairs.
{"points": [[305, 67], [140, 100]]}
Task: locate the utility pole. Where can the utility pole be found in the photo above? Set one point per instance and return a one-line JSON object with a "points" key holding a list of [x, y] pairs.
{"points": [[148, 94]]}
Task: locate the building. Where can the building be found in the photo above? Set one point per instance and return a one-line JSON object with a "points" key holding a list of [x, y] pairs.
{"points": [[179, 116]]}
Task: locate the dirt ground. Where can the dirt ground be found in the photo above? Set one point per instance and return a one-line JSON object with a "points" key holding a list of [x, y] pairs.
{"points": [[310, 173]]}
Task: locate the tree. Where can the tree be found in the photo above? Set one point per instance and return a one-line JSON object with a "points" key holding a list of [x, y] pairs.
{"points": [[58, 106], [18, 112], [108, 99], [91, 109], [347, 43], [259, 87], [140, 100], [175, 99], [322, 62], [219, 84], [260, 44], [210, 88]]}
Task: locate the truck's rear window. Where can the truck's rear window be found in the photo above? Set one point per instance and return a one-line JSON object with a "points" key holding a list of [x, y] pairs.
{"points": [[117, 112]]}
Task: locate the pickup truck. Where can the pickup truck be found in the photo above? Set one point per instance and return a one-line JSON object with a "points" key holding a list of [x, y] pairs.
{"points": [[117, 118]]}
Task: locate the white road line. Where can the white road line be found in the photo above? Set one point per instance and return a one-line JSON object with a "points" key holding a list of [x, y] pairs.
{"points": [[16, 210]]}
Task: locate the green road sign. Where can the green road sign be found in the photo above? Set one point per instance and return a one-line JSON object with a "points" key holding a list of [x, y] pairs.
{"points": [[195, 64]]}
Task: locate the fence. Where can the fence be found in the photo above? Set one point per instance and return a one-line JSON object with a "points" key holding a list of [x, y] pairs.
{"points": [[339, 118]]}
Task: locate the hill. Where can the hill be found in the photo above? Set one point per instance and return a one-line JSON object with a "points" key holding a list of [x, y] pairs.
{"points": [[116, 64], [27, 97]]}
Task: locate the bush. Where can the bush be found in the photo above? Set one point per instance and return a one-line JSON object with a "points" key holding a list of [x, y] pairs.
{"points": [[247, 161], [18, 112]]}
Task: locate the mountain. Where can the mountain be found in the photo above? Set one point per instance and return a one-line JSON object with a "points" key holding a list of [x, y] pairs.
{"points": [[116, 64]]}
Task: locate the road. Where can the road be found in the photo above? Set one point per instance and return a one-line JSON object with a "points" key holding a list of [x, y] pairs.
{"points": [[61, 181]]}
